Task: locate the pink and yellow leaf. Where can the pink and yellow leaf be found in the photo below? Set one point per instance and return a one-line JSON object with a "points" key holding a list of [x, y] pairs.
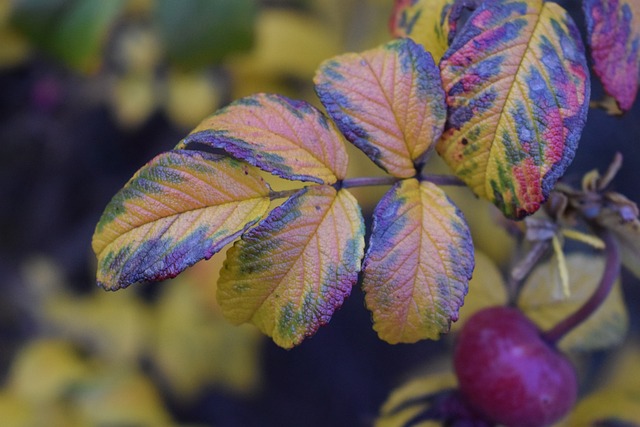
{"points": [[289, 274], [418, 266], [613, 33], [425, 21], [387, 101], [181, 207], [517, 89], [289, 138]]}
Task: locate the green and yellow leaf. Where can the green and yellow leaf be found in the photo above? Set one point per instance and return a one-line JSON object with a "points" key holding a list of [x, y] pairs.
{"points": [[290, 273], [543, 301], [387, 101], [517, 87], [291, 139], [425, 21], [180, 208], [418, 265]]}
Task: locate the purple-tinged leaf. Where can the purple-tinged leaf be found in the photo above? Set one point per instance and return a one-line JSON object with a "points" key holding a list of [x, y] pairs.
{"points": [[289, 274], [418, 265], [388, 101], [613, 32], [425, 21], [289, 138], [180, 208], [517, 88]]}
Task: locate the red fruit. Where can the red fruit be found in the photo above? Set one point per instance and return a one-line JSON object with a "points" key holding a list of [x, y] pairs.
{"points": [[508, 374]]}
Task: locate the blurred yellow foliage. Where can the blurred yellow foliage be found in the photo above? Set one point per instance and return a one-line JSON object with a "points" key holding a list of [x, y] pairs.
{"points": [[619, 397], [191, 96], [419, 387], [486, 289], [194, 346], [542, 300]]}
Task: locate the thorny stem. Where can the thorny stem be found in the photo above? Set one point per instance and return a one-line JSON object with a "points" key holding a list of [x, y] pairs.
{"points": [[611, 272]]}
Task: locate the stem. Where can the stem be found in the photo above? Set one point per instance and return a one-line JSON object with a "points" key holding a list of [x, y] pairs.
{"points": [[522, 269], [282, 194], [609, 276], [443, 179], [367, 181]]}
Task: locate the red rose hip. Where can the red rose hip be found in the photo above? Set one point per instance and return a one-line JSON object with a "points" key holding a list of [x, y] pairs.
{"points": [[509, 374]]}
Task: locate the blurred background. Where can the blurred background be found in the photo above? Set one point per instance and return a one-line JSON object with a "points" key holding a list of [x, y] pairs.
{"points": [[90, 90]]}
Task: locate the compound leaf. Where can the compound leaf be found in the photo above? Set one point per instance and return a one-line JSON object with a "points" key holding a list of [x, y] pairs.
{"points": [[289, 138], [290, 273], [181, 207], [613, 32], [517, 88], [542, 301], [388, 101], [418, 265], [425, 21]]}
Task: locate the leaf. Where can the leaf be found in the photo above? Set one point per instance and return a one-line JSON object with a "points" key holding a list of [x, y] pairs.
{"points": [[71, 30], [120, 396], [609, 407], [198, 33], [418, 265], [97, 330], [387, 101], [541, 300], [425, 21], [290, 273], [196, 348], [617, 398], [291, 139], [517, 88], [486, 289], [46, 369], [180, 208], [623, 221], [613, 33], [397, 410]]}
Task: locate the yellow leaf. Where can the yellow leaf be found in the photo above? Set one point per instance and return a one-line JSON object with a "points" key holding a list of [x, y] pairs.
{"points": [[134, 99], [619, 396], [607, 404], [120, 397], [542, 300], [486, 289], [194, 346], [45, 369], [289, 43], [487, 224], [419, 387], [191, 96], [16, 411], [115, 326]]}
